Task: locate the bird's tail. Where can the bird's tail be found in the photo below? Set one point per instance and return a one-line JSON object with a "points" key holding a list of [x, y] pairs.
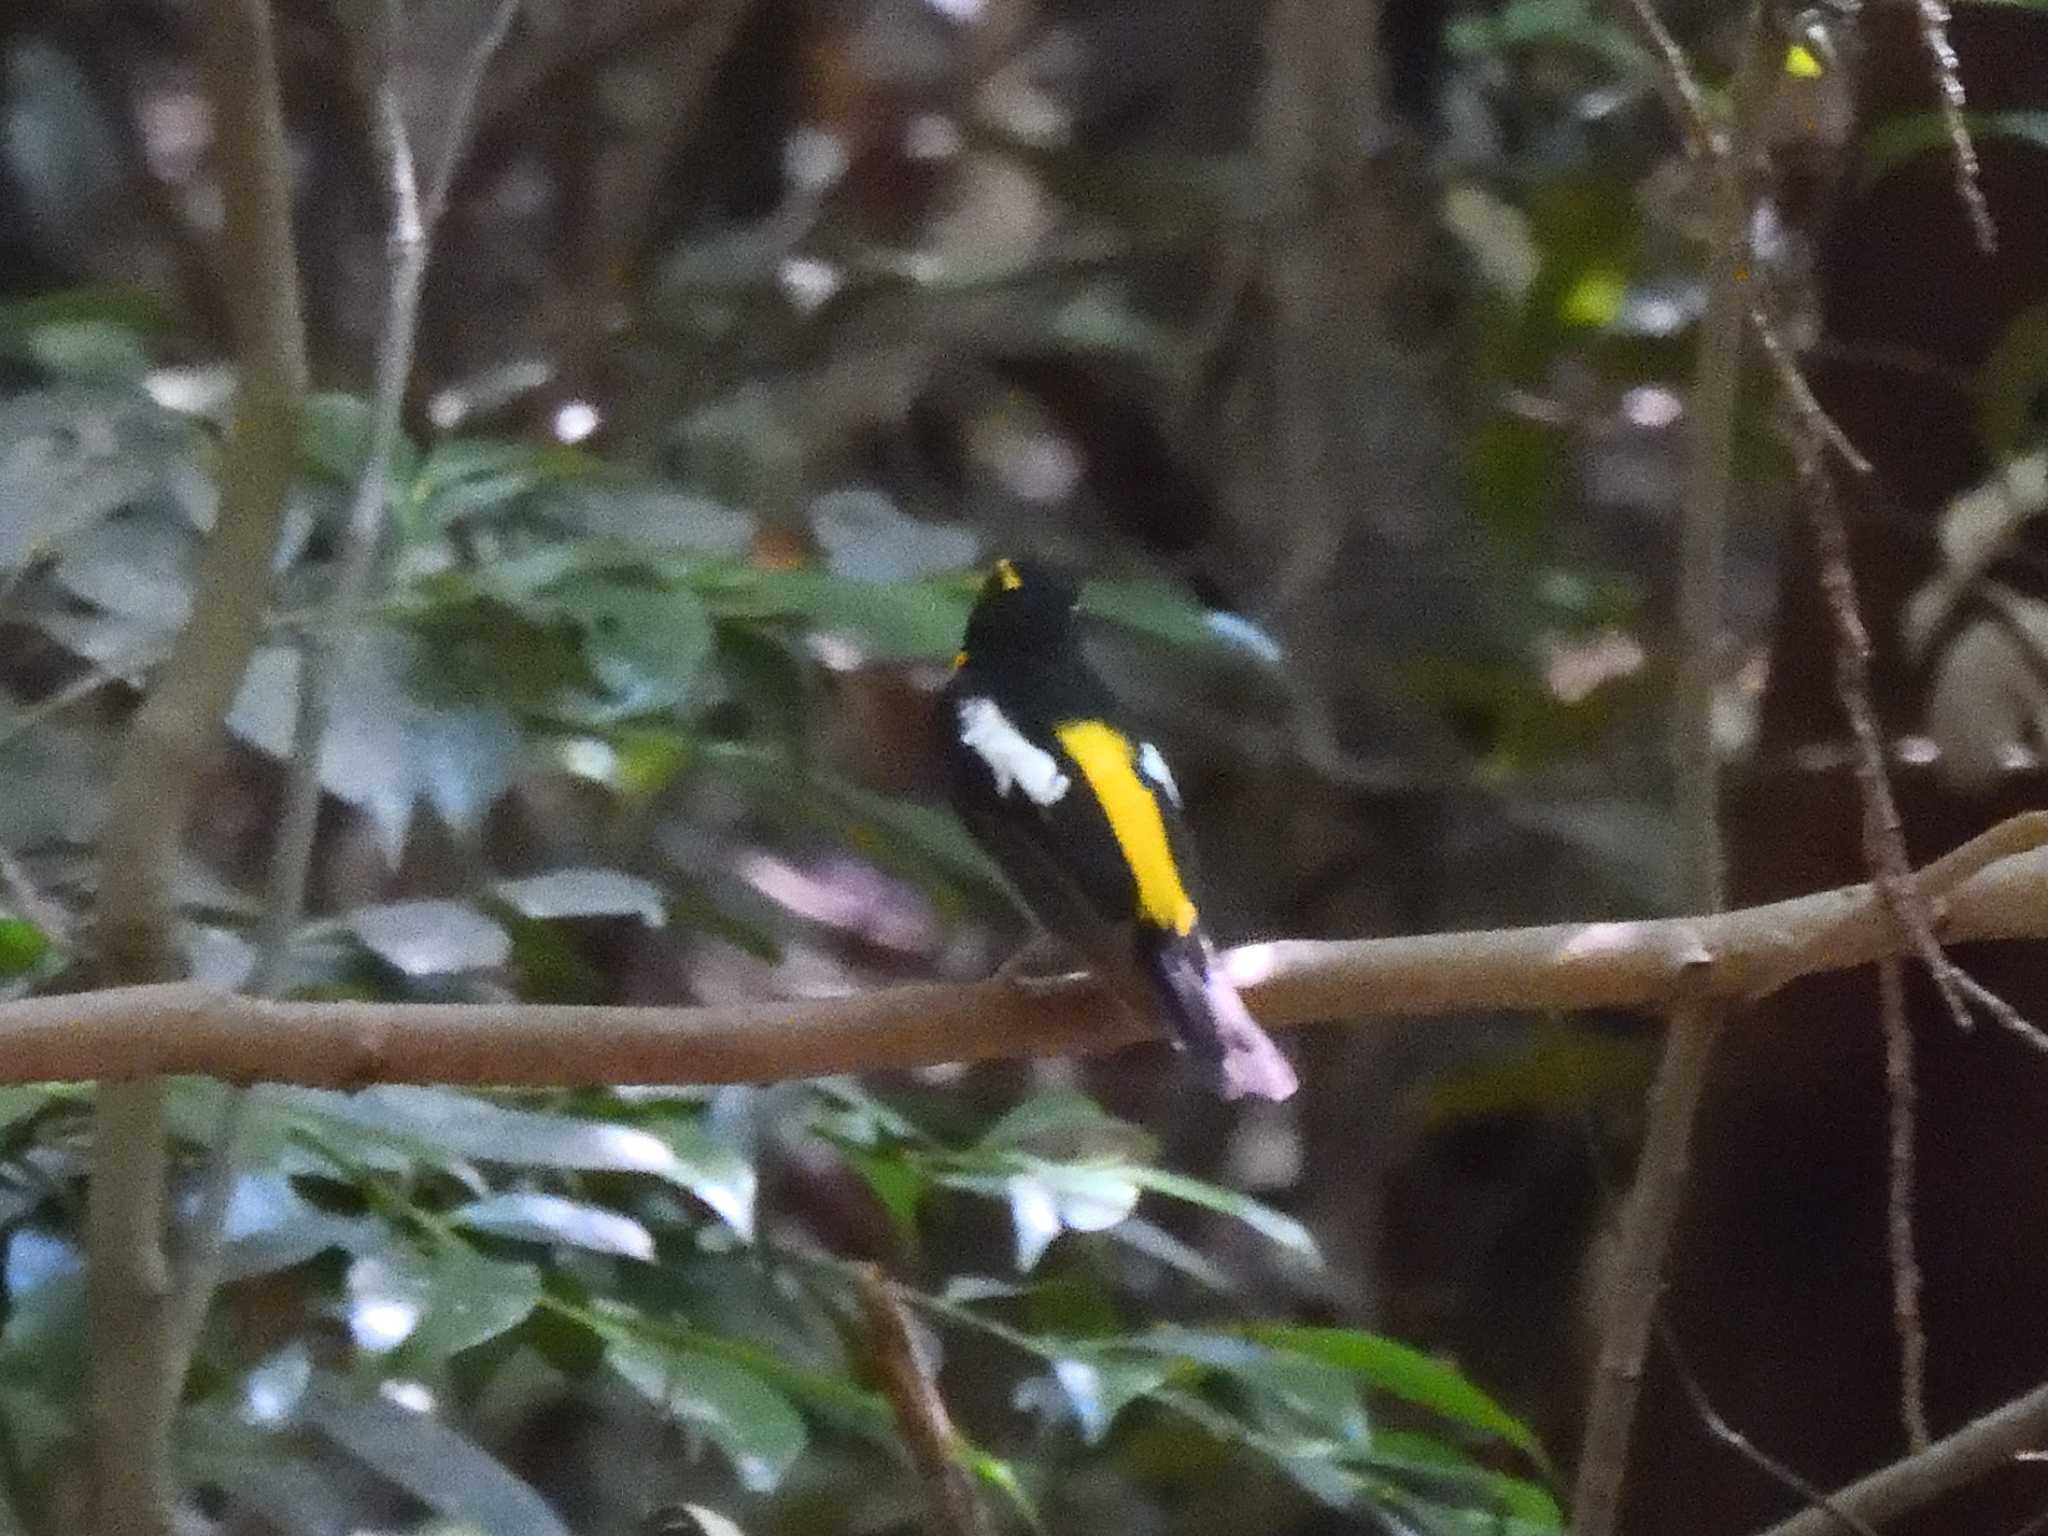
{"points": [[1209, 1019]]}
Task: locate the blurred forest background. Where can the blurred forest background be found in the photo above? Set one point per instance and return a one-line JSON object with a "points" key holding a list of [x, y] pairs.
{"points": [[1347, 344]]}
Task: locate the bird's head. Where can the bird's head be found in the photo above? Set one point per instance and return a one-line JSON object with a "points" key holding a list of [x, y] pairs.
{"points": [[1024, 605]]}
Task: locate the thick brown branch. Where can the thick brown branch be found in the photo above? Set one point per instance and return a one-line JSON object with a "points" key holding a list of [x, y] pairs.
{"points": [[1732, 956]]}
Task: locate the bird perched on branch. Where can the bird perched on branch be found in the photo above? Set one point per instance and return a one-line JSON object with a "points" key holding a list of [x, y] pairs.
{"points": [[1085, 821]]}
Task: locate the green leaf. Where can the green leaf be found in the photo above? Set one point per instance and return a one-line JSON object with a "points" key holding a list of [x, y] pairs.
{"points": [[746, 1418], [446, 1471], [714, 1169], [1293, 1395], [646, 646], [1098, 1385], [1408, 1374], [89, 351], [1166, 612], [23, 947], [1059, 1120], [1486, 1496], [271, 1227], [439, 1305], [895, 1183], [1260, 1217], [1002, 1476], [1046, 1199], [468, 477], [334, 440], [439, 1124], [134, 309], [923, 618], [588, 892], [542, 1218], [1528, 24], [1555, 1067], [1515, 468], [19, 1101]]}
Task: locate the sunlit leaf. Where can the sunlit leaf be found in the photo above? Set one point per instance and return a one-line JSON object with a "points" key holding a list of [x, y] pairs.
{"points": [[72, 456], [586, 893], [896, 1184], [466, 760], [436, 1305], [1101, 1385], [270, 1226], [370, 755], [714, 1170], [544, 1218], [431, 938], [440, 1122], [19, 1101], [272, 1392], [141, 567], [23, 947]]}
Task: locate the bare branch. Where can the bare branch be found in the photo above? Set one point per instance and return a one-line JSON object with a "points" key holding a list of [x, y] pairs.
{"points": [[1902, 1100], [1736, 1441], [413, 220], [1933, 17], [1656, 1196], [1662, 964], [1977, 1449], [165, 753], [921, 1418]]}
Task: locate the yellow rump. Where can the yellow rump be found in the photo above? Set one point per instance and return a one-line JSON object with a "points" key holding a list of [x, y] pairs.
{"points": [[1109, 763]]}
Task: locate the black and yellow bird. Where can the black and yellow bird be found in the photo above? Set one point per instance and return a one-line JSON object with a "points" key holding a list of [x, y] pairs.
{"points": [[1085, 821]]}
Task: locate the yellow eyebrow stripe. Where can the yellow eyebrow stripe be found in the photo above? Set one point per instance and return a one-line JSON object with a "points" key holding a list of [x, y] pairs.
{"points": [[1109, 764]]}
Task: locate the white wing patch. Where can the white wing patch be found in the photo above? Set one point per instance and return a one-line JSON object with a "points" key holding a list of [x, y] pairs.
{"points": [[1012, 757], [1154, 768]]}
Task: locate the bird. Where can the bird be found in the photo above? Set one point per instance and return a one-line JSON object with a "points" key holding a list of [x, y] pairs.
{"points": [[1085, 821]]}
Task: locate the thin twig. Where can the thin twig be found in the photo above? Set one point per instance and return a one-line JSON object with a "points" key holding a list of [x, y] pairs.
{"points": [[76, 691], [1884, 852], [1674, 80], [413, 220], [1902, 1103], [927, 1429], [1933, 17], [1978, 1449], [1658, 1192], [133, 1398], [1884, 831], [1708, 148], [1703, 1409]]}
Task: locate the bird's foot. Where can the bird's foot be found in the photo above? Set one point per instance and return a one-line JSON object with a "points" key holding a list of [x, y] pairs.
{"points": [[1042, 967]]}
